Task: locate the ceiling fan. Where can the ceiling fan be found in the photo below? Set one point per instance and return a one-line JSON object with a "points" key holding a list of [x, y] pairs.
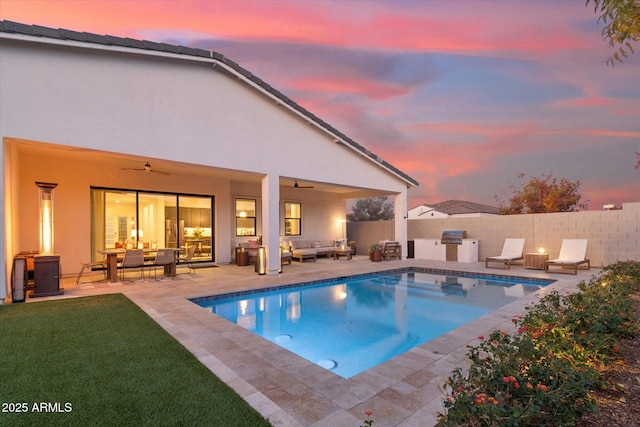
{"points": [[296, 185], [146, 168]]}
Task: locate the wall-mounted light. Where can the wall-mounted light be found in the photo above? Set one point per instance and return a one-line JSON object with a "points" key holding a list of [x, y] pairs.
{"points": [[541, 250], [45, 206]]}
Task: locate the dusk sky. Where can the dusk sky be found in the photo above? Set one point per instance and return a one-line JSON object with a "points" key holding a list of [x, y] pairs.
{"points": [[460, 95]]}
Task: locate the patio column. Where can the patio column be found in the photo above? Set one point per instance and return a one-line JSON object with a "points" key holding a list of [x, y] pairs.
{"points": [[400, 212], [271, 221]]}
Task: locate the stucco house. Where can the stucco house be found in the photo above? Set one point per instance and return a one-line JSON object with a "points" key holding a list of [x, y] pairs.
{"points": [[166, 144], [450, 208]]}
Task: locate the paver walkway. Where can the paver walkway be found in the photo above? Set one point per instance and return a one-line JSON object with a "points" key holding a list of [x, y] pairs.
{"points": [[291, 391]]}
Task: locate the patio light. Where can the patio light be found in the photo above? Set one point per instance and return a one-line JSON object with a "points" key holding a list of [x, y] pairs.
{"points": [[261, 261], [45, 202], [541, 250]]}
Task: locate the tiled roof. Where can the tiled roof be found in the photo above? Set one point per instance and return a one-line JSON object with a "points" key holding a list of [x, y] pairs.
{"points": [[62, 34], [458, 207]]}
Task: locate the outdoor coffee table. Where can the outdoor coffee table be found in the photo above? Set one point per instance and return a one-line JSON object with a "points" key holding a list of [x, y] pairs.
{"points": [[336, 253]]}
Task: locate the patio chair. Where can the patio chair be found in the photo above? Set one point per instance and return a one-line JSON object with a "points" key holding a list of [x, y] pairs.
{"points": [[392, 250], [573, 252], [164, 258], [90, 265], [511, 251], [133, 258], [188, 258]]}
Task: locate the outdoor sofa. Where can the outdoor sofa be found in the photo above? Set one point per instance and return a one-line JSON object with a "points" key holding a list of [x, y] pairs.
{"points": [[311, 249]]}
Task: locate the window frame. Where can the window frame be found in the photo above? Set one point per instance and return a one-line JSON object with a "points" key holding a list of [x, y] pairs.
{"points": [[287, 219], [255, 216]]}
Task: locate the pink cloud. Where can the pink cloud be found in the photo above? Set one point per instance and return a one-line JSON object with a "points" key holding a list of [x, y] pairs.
{"points": [[444, 27], [584, 102], [350, 84]]}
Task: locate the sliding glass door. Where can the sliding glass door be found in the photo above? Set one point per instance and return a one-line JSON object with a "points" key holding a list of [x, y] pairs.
{"points": [[129, 218]]}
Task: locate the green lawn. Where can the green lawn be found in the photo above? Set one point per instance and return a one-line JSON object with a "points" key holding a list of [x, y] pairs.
{"points": [[102, 361]]}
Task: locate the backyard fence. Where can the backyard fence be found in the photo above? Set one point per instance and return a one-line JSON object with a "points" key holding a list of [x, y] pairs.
{"points": [[613, 235]]}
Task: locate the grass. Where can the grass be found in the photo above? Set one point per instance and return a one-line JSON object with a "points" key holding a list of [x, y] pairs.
{"points": [[102, 361]]}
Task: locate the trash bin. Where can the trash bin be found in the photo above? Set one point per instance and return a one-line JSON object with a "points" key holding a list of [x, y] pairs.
{"points": [[19, 279], [261, 261]]}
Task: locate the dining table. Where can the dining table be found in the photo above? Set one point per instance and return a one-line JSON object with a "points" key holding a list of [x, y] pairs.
{"points": [[112, 256]]}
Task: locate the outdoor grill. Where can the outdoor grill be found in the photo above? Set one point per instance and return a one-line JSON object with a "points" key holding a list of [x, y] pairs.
{"points": [[453, 245], [452, 239]]}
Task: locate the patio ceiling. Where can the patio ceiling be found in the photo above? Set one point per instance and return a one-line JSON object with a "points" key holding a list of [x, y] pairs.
{"points": [[120, 160]]}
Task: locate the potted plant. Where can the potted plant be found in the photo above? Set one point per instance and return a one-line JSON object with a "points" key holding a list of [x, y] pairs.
{"points": [[375, 253], [352, 245]]}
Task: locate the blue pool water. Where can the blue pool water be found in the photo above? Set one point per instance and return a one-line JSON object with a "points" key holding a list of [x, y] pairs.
{"points": [[352, 324]]}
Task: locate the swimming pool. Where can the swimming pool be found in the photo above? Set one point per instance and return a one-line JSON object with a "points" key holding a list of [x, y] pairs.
{"points": [[351, 324]]}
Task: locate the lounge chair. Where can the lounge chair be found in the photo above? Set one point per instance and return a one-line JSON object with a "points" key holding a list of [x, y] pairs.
{"points": [[90, 266], [573, 252], [511, 251]]}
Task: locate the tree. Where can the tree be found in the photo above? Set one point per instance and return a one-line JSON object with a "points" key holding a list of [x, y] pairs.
{"points": [[372, 209], [544, 195], [622, 25]]}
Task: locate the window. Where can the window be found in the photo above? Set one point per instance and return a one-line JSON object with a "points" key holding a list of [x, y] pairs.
{"points": [[292, 219], [130, 218], [245, 217]]}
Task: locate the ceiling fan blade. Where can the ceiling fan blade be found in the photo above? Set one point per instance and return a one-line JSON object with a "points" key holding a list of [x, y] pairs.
{"points": [[146, 168], [296, 185], [160, 172]]}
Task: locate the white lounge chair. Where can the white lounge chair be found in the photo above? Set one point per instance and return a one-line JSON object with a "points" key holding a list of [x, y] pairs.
{"points": [[573, 252], [511, 251]]}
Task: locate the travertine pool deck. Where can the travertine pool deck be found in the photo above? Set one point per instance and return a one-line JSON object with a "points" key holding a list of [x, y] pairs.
{"points": [[291, 391]]}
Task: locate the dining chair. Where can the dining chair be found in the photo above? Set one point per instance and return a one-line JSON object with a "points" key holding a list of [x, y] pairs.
{"points": [[90, 266], [133, 258], [164, 257], [187, 259]]}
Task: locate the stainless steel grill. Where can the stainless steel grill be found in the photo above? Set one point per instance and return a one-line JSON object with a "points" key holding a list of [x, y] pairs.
{"points": [[453, 237]]}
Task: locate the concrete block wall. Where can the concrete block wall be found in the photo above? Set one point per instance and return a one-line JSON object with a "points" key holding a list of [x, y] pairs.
{"points": [[612, 235], [366, 233]]}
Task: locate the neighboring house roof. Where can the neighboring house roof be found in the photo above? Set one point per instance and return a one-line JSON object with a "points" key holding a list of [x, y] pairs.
{"points": [[459, 207], [75, 36]]}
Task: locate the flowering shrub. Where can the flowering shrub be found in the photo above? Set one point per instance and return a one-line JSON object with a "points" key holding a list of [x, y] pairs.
{"points": [[543, 374], [369, 421]]}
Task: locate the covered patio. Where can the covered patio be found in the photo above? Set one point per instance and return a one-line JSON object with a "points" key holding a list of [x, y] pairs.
{"points": [[204, 152]]}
